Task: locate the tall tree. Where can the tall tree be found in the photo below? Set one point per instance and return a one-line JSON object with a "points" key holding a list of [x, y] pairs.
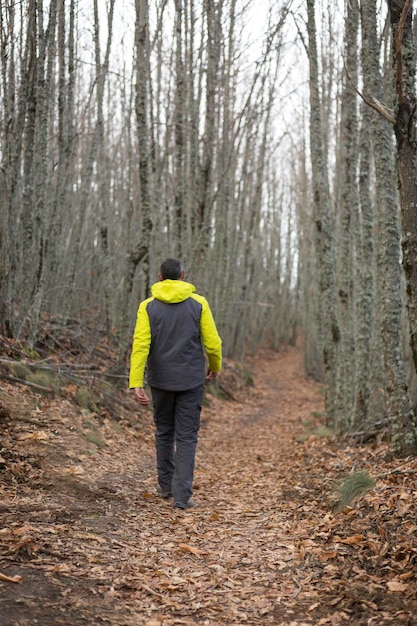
{"points": [[179, 118], [405, 57], [365, 271], [13, 113], [348, 219], [388, 246], [140, 251], [329, 333]]}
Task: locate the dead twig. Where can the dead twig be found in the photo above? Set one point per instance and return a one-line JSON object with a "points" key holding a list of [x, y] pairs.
{"points": [[300, 587], [151, 591], [399, 470]]}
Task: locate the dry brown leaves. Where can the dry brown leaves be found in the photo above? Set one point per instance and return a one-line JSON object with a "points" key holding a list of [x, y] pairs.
{"points": [[84, 539]]}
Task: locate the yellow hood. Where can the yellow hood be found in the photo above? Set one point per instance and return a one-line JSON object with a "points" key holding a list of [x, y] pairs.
{"points": [[172, 291]]}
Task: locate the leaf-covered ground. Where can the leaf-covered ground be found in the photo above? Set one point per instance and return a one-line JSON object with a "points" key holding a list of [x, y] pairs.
{"points": [[85, 540]]}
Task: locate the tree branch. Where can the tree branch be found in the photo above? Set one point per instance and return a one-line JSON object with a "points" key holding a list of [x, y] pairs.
{"points": [[372, 102]]}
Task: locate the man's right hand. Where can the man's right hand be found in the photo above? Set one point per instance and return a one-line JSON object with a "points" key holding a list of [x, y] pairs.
{"points": [[141, 396]]}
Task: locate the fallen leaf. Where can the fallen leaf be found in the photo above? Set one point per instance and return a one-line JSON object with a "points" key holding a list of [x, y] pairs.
{"points": [[76, 470], [11, 579], [395, 585], [325, 556], [186, 548], [36, 436], [350, 541]]}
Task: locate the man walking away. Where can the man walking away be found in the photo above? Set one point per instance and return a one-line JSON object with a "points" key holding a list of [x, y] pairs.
{"points": [[174, 328]]}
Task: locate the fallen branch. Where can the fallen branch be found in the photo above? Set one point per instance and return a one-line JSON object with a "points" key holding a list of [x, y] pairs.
{"points": [[52, 368], [398, 470], [12, 379]]}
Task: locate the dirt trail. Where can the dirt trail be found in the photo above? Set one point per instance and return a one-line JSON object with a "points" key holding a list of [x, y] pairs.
{"points": [[93, 543]]}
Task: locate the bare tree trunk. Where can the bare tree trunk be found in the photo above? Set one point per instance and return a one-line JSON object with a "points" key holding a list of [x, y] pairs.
{"points": [[140, 252], [348, 225], [29, 228], [13, 116], [328, 326], [103, 164], [66, 136], [43, 187], [212, 10], [179, 123], [307, 269], [388, 245], [365, 271], [405, 132]]}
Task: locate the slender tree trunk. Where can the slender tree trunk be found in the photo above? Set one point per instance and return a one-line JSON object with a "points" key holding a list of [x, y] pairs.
{"points": [[140, 251], [103, 164], [11, 150], [25, 276], [179, 118], [43, 186], [307, 268], [212, 10], [365, 271], [348, 224], [329, 332], [64, 181]]}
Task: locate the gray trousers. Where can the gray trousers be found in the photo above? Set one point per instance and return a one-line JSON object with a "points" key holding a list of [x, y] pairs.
{"points": [[177, 421]]}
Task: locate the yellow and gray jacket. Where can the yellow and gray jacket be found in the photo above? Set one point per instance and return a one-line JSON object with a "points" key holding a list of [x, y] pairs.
{"points": [[172, 327]]}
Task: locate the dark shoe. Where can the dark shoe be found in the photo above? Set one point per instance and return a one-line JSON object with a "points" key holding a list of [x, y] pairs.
{"points": [[184, 505], [164, 494]]}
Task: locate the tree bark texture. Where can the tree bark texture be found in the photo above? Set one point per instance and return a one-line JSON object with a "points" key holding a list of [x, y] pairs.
{"points": [[388, 248], [329, 330], [348, 225], [405, 131]]}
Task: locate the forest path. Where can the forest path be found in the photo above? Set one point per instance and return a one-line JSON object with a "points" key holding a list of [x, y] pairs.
{"points": [[82, 526]]}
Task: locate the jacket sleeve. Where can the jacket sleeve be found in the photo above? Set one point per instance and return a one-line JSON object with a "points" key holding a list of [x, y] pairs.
{"points": [[141, 346], [211, 338]]}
